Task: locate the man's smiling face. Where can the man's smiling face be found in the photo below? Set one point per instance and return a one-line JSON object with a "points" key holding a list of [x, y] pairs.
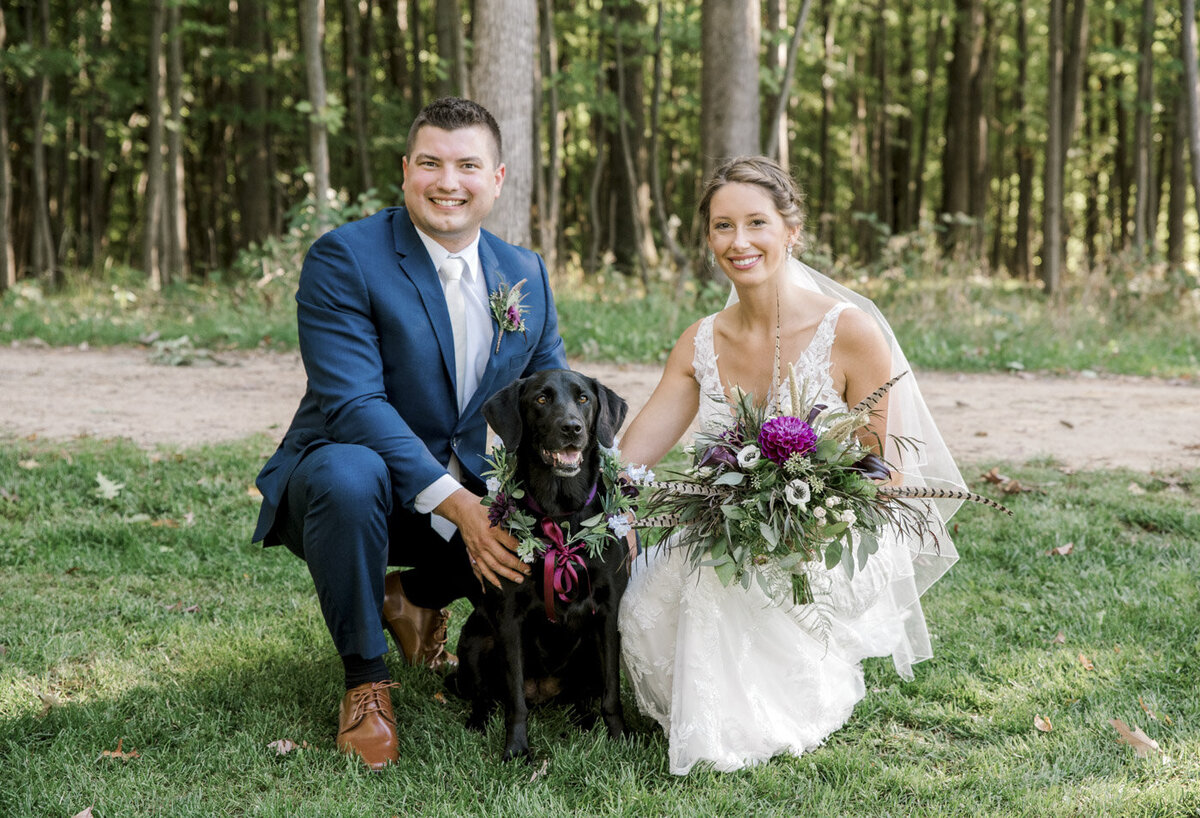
{"points": [[451, 181]]}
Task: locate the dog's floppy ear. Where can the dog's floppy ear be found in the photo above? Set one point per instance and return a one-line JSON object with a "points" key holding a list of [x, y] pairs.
{"points": [[610, 415], [502, 411]]}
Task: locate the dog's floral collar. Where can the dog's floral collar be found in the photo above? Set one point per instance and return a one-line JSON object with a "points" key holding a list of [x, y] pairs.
{"points": [[507, 309], [506, 510]]}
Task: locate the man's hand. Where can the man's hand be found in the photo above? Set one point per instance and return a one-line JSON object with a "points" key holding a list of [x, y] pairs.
{"points": [[492, 550]]}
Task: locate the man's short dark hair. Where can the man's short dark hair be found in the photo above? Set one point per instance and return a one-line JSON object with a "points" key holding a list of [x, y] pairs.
{"points": [[453, 113]]}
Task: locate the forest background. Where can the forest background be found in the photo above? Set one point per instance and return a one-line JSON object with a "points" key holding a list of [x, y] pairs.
{"points": [[209, 140]]}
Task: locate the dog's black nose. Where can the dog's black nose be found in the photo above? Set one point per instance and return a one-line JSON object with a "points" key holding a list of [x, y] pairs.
{"points": [[571, 427]]}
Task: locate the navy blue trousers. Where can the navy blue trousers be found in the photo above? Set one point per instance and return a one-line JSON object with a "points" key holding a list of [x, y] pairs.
{"points": [[338, 517]]}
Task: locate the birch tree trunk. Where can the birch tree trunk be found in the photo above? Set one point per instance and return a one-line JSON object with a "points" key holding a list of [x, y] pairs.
{"points": [[155, 177], [502, 79]]}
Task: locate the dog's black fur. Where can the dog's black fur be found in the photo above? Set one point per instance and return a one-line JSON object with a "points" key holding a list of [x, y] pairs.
{"points": [[508, 650]]}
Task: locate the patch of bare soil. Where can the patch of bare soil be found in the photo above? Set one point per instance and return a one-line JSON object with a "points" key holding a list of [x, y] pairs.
{"points": [[1143, 424]]}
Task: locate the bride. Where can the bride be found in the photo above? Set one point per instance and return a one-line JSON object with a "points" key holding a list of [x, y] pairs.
{"points": [[732, 676]]}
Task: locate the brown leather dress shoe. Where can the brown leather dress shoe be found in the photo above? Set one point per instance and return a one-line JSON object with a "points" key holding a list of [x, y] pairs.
{"points": [[367, 724], [420, 633]]}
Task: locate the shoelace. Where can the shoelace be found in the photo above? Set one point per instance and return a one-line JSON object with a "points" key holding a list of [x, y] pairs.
{"points": [[371, 698]]}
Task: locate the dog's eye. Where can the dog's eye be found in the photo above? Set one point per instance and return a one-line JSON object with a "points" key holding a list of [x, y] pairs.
{"points": [[540, 400], [583, 398]]}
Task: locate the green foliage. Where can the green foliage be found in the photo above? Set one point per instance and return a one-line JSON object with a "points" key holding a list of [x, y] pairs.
{"points": [[149, 619]]}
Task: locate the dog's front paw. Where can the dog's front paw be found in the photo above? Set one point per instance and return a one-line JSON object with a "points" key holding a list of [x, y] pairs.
{"points": [[615, 725], [517, 745], [478, 719]]}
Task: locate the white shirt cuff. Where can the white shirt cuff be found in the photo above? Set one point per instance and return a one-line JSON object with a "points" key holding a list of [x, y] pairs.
{"points": [[431, 497]]}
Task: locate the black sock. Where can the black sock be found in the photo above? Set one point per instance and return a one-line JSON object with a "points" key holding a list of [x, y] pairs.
{"points": [[360, 671]]}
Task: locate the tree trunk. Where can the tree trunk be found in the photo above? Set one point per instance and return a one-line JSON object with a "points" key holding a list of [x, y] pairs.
{"points": [[1119, 198], [1051, 270], [8, 261], [959, 153], [937, 24], [777, 134], [45, 262], [902, 146], [1191, 91], [825, 195], [1177, 201], [729, 95], [416, 35], [155, 177], [549, 199], [665, 226], [357, 74], [312, 29], [448, 26], [502, 79], [1022, 258], [176, 209], [395, 44], [253, 144], [1141, 129], [884, 205]]}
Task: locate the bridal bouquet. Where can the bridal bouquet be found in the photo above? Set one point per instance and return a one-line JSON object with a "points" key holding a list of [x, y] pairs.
{"points": [[776, 491]]}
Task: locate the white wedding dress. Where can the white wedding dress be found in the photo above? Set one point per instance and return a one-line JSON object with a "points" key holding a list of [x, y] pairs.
{"points": [[735, 678]]}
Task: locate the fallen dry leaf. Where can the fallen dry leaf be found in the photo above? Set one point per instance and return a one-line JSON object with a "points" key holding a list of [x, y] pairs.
{"points": [[283, 746], [29, 464], [1141, 743], [118, 753], [1042, 724], [439, 697], [49, 701], [252, 491], [1135, 489], [540, 771], [1146, 709], [994, 476], [9, 496], [1061, 551], [178, 607], [164, 523], [1086, 662], [85, 813], [1067, 423], [1060, 638]]}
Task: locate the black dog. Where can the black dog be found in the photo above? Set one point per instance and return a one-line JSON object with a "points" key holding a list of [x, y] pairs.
{"points": [[510, 650]]}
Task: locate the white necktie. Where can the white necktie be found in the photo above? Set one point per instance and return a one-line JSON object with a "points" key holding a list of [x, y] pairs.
{"points": [[451, 272]]}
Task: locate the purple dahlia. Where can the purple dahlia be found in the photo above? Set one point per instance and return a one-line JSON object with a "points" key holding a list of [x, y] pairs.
{"points": [[784, 436]]}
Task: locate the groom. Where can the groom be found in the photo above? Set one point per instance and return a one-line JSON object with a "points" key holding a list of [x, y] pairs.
{"points": [[403, 339]]}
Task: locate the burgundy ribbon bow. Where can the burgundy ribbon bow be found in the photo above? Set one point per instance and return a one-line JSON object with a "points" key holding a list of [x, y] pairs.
{"points": [[561, 567]]}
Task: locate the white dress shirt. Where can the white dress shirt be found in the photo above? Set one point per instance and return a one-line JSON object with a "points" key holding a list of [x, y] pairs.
{"points": [[479, 341]]}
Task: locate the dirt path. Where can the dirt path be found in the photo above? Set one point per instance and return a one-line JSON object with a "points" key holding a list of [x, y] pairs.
{"points": [[1085, 423]]}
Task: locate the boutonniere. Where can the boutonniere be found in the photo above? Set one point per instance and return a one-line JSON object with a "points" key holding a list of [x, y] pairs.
{"points": [[507, 309]]}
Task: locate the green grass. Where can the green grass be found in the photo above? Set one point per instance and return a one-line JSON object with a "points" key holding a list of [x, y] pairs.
{"points": [[98, 648], [1142, 322]]}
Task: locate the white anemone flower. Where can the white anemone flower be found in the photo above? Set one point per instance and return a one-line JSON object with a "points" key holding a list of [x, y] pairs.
{"points": [[797, 493], [748, 456]]}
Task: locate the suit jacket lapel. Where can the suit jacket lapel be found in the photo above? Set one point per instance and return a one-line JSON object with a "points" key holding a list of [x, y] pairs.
{"points": [[416, 265]]}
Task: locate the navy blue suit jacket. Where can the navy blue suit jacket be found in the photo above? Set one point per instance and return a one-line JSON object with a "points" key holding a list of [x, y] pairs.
{"points": [[378, 351]]}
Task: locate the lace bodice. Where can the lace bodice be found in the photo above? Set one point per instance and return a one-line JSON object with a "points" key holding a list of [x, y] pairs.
{"points": [[812, 366]]}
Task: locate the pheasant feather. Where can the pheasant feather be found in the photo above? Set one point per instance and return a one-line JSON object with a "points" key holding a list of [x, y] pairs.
{"points": [[927, 493], [868, 403]]}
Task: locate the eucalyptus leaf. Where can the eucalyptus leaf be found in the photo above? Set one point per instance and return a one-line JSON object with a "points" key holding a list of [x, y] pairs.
{"points": [[730, 478], [768, 534], [726, 571], [733, 512], [833, 554]]}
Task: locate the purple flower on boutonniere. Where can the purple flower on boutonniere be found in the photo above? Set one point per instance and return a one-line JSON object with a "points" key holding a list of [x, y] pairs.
{"points": [[507, 309]]}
